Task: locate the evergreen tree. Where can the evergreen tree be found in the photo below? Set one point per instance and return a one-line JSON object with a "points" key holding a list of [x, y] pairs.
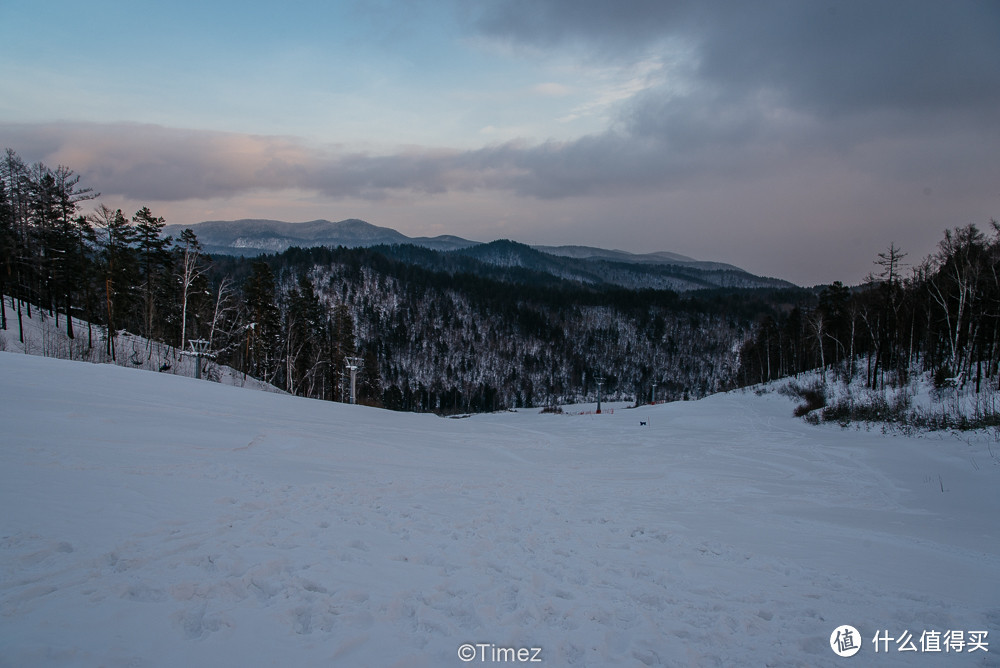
{"points": [[118, 264], [154, 263], [7, 242], [305, 342], [67, 239], [263, 324], [44, 251], [14, 173], [370, 392]]}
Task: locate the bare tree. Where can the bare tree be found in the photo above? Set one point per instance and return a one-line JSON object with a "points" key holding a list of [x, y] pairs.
{"points": [[191, 269], [817, 323], [955, 285], [224, 305]]}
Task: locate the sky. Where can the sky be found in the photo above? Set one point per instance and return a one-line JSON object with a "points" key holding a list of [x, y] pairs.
{"points": [[795, 139]]}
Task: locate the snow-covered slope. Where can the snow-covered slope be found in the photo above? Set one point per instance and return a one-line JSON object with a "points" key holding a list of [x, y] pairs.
{"points": [[42, 334], [156, 520]]}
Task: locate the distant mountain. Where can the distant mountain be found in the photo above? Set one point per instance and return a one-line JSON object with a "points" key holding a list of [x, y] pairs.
{"points": [[660, 257], [252, 237], [596, 266], [584, 264]]}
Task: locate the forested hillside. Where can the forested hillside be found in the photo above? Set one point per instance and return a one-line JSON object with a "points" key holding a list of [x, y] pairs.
{"points": [[458, 341], [494, 326], [937, 318], [427, 330]]}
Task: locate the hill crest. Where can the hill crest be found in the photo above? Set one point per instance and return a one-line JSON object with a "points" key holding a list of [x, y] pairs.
{"points": [[658, 270]]}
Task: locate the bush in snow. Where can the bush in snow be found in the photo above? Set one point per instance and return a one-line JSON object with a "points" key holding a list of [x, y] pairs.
{"points": [[813, 394]]}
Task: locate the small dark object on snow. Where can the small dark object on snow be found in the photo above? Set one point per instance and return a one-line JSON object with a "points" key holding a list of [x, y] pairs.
{"points": [[642, 423], [165, 366]]}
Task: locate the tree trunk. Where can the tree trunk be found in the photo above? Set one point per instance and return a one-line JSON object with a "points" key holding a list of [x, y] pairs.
{"points": [[69, 315], [111, 324]]}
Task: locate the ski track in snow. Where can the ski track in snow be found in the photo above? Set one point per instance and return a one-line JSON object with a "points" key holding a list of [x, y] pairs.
{"points": [[160, 521]]}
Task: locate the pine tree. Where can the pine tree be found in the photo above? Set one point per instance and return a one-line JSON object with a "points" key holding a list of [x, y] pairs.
{"points": [[262, 329], [305, 340], [14, 173], [45, 249], [154, 262], [67, 238], [118, 265], [370, 392], [6, 249]]}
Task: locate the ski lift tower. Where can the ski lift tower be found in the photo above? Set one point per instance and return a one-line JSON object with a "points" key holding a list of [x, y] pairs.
{"points": [[199, 349], [352, 365], [600, 381], [654, 392]]}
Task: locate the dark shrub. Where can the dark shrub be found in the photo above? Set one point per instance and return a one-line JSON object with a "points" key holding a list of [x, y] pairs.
{"points": [[815, 397]]}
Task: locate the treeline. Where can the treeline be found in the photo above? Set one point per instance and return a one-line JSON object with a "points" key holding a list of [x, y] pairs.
{"points": [[104, 267], [119, 273], [941, 315]]}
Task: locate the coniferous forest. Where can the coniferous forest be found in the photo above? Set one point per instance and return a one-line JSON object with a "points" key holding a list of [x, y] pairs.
{"points": [[426, 332]]}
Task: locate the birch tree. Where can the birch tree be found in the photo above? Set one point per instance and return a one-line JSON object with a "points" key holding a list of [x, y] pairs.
{"points": [[190, 269]]}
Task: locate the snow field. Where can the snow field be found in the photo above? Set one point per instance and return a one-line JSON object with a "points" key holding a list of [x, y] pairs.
{"points": [[156, 520]]}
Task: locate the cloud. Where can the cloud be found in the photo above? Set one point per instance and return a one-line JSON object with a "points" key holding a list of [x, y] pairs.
{"points": [[621, 28], [158, 163], [664, 144], [728, 189], [736, 88], [162, 164], [717, 91], [149, 162], [829, 57]]}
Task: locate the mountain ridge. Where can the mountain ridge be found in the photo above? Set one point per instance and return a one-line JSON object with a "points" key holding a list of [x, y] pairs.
{"points": [[657, 270], [241, 237]]}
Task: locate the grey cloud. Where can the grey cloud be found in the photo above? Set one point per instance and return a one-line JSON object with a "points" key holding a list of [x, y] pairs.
{"points": [[828, 57], [620, 27], [776, 84], [598, 164], [773, 86], [846, 57], [667, 144], [727, 187], [148, 162], [145, 162]]}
